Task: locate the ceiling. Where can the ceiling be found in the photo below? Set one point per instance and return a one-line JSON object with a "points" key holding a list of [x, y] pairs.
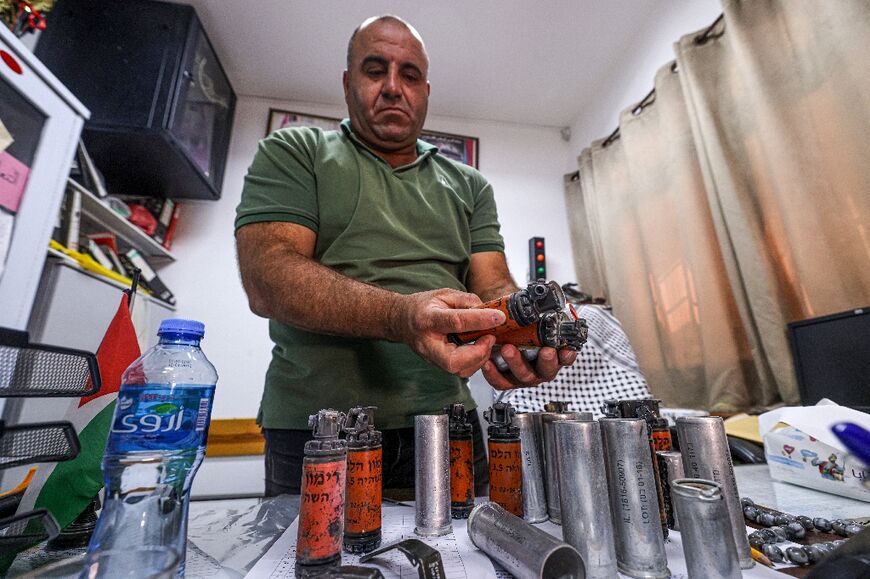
{"points": [[510, 60]]}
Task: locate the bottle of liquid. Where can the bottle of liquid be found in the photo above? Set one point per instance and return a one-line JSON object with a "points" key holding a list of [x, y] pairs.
{"points": [[156, 443]]}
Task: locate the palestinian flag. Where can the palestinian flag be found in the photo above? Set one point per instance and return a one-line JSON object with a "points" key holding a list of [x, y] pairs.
{"points": [[67, 488]]}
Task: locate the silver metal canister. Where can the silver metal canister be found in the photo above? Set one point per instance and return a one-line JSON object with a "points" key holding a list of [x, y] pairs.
{"points": [[708, 542], [586, 522], [432, 475], [551, 477], [704, 447], [534, 493], [634, 505], [521, 548], [670, 468]]}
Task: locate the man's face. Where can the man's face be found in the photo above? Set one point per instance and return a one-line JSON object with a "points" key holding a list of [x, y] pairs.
{"points": [[386, 86]]}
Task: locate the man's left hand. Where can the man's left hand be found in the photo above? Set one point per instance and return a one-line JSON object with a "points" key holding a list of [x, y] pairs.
{"points": [[522, 373]]}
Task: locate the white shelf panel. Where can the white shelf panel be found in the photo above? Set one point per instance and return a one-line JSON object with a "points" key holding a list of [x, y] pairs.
{"points": [[101, 213]]}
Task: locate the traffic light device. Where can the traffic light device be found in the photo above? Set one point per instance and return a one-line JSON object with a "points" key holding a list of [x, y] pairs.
{"points": [[537, 259]]}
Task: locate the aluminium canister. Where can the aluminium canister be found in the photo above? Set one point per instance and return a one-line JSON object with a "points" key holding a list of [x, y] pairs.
{"points": [[551, 458], [524, 550], [432, 475], [704, 447], [534, 493], [708, 542], [586, 522], [640, 544]]}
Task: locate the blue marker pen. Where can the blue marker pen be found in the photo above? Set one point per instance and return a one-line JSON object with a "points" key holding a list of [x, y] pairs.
{"points": [[855, 438]]}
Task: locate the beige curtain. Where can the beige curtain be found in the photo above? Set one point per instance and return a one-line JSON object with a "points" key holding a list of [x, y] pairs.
{"points": [[587, 264], [737, 199], [779, 98]]}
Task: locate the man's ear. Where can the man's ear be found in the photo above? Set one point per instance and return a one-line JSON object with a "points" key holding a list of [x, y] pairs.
{"points": [[428, 88], [345, 82]]}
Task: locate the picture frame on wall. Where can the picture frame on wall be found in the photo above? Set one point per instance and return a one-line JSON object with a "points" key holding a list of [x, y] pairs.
{"points": [[456, 147]]}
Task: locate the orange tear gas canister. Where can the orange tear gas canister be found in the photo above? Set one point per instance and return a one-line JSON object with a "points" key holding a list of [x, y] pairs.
{"points": [[321, 508], [505, 458], [362, 522], [461, 462], [521, 308]]}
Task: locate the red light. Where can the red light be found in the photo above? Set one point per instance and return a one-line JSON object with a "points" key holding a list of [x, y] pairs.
{"points": [[10, 62], [539, 244], [539, 257]]}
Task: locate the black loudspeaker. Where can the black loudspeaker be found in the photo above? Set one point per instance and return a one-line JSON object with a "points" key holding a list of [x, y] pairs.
{"points": [[161, 105], [537, 259]]}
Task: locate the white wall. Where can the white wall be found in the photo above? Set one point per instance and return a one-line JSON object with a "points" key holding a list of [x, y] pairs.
{"points": [[524, 164], [633, 75]]}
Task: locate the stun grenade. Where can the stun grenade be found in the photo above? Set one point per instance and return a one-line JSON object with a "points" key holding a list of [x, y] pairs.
{"points": [[535, 317], [321, 509], [362, 522]]}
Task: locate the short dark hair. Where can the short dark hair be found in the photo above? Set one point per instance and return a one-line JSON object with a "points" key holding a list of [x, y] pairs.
{"points": [[382, 18]]}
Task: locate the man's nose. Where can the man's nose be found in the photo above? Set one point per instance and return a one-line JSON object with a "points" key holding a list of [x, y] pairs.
{"points": [[392, 84]]}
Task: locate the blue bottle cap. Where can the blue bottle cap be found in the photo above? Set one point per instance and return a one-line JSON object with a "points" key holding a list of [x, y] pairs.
{"points": [[180, 326]]}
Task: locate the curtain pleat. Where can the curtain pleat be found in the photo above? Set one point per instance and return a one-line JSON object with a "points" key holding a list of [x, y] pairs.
{"points": [[586, 263]]}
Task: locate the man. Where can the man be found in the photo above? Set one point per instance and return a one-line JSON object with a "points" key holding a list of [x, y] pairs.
{"points": [[359, 245]]}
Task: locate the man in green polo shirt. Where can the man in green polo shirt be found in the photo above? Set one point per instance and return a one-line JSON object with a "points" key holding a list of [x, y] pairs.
{"points": [[365, 247]]}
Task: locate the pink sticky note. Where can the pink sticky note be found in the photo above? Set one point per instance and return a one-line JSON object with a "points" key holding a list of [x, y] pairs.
{"points": [[13, 178]]}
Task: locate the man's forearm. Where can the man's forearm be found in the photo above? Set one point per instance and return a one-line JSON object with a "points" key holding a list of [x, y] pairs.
{"points": [[499, 290], [293, 289]]}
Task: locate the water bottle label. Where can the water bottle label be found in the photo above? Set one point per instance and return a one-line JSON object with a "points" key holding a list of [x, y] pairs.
{"points": [[161, 417]]}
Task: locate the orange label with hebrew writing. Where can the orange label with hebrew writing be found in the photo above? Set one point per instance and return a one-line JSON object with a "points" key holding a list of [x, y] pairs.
{"points": [[506, 475], [321, 511], [461, 472], [364, 491], [662, 440]]}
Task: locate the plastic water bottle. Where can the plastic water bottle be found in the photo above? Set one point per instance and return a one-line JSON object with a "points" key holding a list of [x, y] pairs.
{"points": [[156, 443]]}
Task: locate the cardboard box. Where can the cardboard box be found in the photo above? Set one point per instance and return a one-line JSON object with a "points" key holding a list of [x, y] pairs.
{"points": [[801, 449]]}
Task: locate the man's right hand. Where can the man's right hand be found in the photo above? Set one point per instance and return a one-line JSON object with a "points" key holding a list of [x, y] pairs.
{"points": [[423, 320]]}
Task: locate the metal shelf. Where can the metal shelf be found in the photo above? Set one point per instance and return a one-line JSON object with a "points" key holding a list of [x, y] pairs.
{"points": [[99, 212]]}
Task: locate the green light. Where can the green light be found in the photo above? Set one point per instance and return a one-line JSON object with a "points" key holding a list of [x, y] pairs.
{"points": [[540, 270]]}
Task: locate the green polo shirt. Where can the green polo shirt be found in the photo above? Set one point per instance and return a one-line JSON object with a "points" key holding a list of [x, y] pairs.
{"points": [[407, 229]]}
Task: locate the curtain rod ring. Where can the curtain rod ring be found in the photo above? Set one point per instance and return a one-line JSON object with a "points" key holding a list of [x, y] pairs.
{"points": [[611, 138], [709, 33], [646, 101]]}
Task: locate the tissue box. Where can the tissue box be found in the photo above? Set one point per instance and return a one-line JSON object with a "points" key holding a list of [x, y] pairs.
{"points": [[796, 457]]}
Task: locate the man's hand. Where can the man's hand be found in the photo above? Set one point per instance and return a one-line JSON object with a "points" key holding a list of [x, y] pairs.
{"points": [[521, 373], [424, 319]]}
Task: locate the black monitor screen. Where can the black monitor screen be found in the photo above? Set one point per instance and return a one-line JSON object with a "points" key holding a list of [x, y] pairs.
{"points": [[832, 358]]}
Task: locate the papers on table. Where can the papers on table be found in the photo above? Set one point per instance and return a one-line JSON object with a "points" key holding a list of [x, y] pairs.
{"points": [[462, 560]]}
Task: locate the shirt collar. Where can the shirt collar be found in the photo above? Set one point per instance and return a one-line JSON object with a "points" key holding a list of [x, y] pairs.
{"points": [[424, 149]]}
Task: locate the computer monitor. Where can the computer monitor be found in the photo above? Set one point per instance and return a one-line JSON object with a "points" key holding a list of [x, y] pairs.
{"points": [[832, 358]]}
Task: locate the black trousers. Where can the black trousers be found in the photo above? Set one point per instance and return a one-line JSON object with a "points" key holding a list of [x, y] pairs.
{"points": [[284, 453]]}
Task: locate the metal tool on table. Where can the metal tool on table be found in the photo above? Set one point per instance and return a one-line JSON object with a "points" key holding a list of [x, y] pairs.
{"points": [[640, 544], [321, 508], [523, 549], [426, 559], [708, 542], [586, 521], [432, 475], [461, 462], [704, 447], [362, 521], [534, 489], [551, 459], [505, 458]]}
